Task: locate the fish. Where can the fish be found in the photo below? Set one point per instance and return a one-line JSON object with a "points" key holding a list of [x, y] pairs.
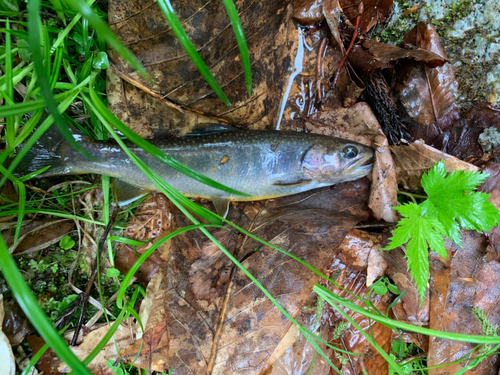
{"points": [[262, 164]]}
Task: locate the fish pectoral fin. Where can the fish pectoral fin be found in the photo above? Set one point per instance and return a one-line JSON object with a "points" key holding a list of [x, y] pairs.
{"points": [[221, 206], [209, 129], [292, 183], [126, 192]]}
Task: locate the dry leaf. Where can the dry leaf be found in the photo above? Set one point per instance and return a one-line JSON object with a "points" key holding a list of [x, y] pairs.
{"points": [[122, 339]]}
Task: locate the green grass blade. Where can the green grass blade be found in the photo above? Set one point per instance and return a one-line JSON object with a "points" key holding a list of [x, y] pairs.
{"points": [[105, 32], [123, 315], [154, 151], [329, 296], [181, 35], [10, 131], [34, 312], [64, 33], [18, 74], [368, 338], [34, 23], [38, 133], [56, 67], [242, 43]]}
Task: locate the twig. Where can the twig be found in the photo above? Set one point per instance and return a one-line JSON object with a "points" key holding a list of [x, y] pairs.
{"points": [[86, 294], [354, 36], [319, 72]]}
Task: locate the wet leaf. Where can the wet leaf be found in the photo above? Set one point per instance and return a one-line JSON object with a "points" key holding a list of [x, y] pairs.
{"points": [[39, 235], [465, 138], [427, 92], [178, 83], [370, 55], [351, 268], [467, 279], [375, 11], [151, 221], [413, 161], [15, 324], [216, 318]]}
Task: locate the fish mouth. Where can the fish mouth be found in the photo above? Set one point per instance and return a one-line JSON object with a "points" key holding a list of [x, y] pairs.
{"points": [[360, 168]]}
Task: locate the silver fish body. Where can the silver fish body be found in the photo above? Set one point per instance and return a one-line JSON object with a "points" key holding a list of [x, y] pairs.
{"points": [[262, 164]]}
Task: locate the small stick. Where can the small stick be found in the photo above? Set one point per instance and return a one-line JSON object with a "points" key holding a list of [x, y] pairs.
{"points": [[85, 296], [354, 36], [319, 73]]}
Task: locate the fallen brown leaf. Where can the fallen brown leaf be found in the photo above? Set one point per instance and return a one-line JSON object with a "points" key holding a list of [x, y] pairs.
{"points": [[375, 11], [350, 263], [151, 221], [121, 339], [370, 55], [467, 280], [413, 161], [38, 235], [142, 27], [427, 92], [232, 325]]}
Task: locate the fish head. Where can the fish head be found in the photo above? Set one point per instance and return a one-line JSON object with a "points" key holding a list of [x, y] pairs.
{"points": [[337, 162]]}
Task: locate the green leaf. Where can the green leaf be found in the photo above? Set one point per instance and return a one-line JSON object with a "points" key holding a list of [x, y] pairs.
{"points": [[112, 272], [451, 204], [380, 289], [394, 289], [101, 61], [24, 49], [452, 201], [66, 242], [422, 232]]}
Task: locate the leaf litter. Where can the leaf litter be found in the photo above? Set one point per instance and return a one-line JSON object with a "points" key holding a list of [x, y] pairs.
{"points": [[201, 313]]}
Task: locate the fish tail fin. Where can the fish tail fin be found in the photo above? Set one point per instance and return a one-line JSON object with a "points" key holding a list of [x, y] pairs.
{"points": [[46, 152]]}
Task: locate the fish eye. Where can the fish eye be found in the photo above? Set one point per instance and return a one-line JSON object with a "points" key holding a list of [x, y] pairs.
{"points": [[350, 152]]}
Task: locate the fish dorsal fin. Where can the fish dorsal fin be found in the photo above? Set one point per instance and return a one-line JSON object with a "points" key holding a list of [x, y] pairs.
{"points": [[292, 183], [210, 129], [126, 192], [221, 206]]}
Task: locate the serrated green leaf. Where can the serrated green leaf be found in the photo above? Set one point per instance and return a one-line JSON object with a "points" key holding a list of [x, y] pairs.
{"points": [[422, 232], [452, 201]]}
